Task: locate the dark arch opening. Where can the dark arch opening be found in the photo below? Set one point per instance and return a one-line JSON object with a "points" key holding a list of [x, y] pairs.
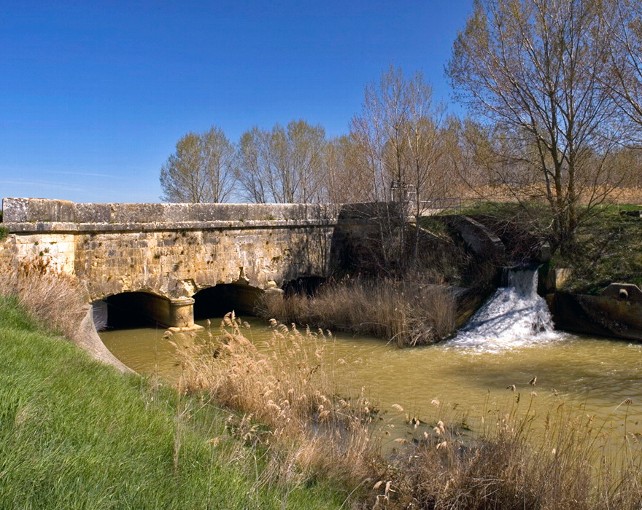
{"points": [[223, 298], [134, 310]]}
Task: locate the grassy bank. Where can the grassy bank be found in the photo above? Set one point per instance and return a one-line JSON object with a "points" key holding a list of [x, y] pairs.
{"points": [[607, 246], [608, 249], [75, 434]]}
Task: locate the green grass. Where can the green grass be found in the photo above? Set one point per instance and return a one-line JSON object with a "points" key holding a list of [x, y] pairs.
{"points": [[607, 246], [608, 249], [76, 434]]}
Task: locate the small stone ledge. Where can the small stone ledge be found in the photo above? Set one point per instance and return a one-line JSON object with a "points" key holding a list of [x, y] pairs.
{"points": [[35, 210], [68, 227], [189, 329]]}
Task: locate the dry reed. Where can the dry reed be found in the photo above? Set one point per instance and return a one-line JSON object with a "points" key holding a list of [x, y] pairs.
{"points": [[312, 432], [56, 300], [407, 312], [514, 459], [517, 460]]}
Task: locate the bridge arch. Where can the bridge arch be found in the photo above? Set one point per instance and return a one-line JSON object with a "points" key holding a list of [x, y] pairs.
{"points": [[217, 300], [142, 308]]}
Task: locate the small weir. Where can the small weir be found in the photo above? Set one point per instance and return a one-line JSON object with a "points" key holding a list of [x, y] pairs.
{"points": [[515, 316]]}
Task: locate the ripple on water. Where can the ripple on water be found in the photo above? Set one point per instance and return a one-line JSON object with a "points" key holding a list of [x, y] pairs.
{"points": [[594, 375]]}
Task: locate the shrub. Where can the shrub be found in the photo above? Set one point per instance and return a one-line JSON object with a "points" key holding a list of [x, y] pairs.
{"points": [[407, 312], [57, 301]]}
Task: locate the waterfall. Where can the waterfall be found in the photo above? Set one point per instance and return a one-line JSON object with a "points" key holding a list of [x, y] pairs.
{"points": [[513, 317]]}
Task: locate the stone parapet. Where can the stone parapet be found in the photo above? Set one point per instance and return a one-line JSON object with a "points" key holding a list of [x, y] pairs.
{"points": [[70, 228], [23, 215]]}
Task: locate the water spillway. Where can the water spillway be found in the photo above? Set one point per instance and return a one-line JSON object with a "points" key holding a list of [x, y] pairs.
{"points": [[514, 316]]}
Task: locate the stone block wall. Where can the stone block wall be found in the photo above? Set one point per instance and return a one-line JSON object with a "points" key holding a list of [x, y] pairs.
{"points": [[171, 250], [180, 263]]}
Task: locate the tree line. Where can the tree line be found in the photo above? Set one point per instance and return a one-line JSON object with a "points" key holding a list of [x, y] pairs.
{"points": [[553, 94], [399, 136]]}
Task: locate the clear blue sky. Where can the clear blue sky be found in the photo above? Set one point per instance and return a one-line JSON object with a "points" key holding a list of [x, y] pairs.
{"points": [[95, 94]]}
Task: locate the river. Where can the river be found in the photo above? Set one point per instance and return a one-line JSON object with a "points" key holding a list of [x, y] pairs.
{"points": [[509, 352], [592, 376]]}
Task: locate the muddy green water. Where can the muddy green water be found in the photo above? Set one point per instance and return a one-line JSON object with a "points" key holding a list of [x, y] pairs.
{"points": [[588, 376]]}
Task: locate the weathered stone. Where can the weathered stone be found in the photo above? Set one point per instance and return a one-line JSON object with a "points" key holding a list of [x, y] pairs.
{"points": [[557, 278], [623, 291], [171, 250], [478, 237], [597, 315]]}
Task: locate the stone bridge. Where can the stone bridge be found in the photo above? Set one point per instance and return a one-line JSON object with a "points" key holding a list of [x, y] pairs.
{"points": [[166, 261]]}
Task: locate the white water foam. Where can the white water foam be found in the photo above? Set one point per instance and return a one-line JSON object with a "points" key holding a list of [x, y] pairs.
{"points": [[515, 316]]}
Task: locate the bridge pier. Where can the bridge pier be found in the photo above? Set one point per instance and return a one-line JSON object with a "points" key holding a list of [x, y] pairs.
{"points": [[181, 314]]}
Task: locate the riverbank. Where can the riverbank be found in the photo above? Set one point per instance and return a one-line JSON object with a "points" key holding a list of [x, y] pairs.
{"points": [[607, 246], [76, 434], [191, 438], [592, 287]]}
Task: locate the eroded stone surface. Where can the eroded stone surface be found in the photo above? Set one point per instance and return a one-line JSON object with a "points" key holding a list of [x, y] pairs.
{"points": [[171, 250]]}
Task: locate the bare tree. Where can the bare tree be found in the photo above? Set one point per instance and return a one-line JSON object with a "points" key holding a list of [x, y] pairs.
{"points": [[200, 170], [346, 179], [284, 164], [378, 131], [398, 133], [398, 136], [425, 147], [253, 170], [466, 146], [536, 70], [625, 17]]}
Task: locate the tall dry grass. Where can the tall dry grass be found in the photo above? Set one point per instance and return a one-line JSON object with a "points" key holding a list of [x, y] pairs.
{"points": [[55, 300], [311, 432], [504, 193], [517, 460], [513, 459], [406, 312]]}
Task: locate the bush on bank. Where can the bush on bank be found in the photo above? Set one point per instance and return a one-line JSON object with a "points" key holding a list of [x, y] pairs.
{"points": [[607, 246]]}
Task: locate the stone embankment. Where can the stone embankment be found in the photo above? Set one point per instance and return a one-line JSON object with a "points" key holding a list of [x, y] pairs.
{"points": [[617, 312]]}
